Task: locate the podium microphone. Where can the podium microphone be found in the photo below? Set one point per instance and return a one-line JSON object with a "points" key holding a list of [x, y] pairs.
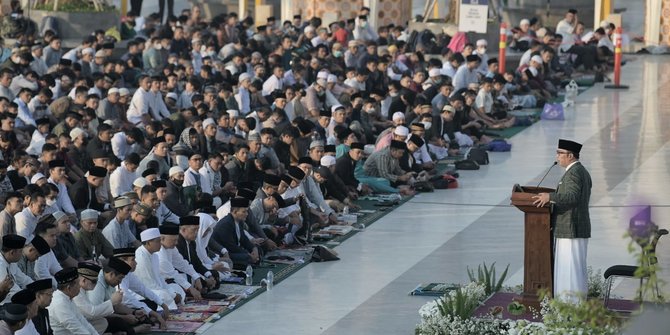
{"points": [[545, 175]]}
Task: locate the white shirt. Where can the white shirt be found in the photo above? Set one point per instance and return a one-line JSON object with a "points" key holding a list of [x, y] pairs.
{"points": [[47, 265], [121, 180], [26, 222], [120, 146], [65, 317], [134, 291], [289, 194], [37, 109], [174, 266], [190, 178], [564, 28], [94, 313], [63, 201], [148, 272], [157, 106], [119, 235], [243, 101], [36, 143], [139, 106], [271, 84], [448, 70], [206, 179], [24, 118], [28, 329], [21, 280], [184, 100], [484, 99]]}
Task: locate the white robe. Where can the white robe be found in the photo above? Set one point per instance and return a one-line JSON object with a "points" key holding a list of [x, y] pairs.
{"points": [[65, 317], [174, 266], [570, 277], [94, 313], [148, 272], [20, 279], [28, 329]]}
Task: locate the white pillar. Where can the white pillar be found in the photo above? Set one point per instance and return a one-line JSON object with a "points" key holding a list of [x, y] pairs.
{"points": [[242, 11], [286, 11], [652, 26], [373, 5]]}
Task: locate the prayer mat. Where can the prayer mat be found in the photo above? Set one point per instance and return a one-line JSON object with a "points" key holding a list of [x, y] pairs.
{"points": [[203, 307], [190, 316], [177, 327], [433, 289]]}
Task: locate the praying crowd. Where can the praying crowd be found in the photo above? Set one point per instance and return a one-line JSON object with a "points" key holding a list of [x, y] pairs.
{"points": [[134, 180]]}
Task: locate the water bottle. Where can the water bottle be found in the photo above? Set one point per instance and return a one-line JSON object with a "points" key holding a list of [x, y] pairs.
{"points": [[250, 275], [270, 280]]}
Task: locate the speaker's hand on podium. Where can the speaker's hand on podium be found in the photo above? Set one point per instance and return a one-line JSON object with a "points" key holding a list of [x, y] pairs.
{"points": [[541, 199]]}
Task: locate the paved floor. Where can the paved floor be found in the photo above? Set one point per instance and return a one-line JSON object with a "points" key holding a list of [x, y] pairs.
{"points": [[436, 236]]}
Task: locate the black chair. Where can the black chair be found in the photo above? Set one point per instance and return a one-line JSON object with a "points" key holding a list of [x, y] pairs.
{"points": [[646, 234]]}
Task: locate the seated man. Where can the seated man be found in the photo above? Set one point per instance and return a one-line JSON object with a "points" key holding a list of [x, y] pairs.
{"points": [[107, 288], [148, 269], [188, 230], [174, 267], [44, 290], [47, 265], [27, 298], [229, 233], [95, 314], [82, 193], [90, 241], [37, 247], [14, 318], [12, 249], [385, 164], [117, 231], [136, 294], [64, 315]]}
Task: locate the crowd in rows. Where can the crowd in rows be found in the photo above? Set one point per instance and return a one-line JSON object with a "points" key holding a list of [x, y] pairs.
{"points": [[133, 181]]}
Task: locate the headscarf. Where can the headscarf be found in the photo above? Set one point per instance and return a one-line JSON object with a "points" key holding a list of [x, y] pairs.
{"points": [[202, 240]]}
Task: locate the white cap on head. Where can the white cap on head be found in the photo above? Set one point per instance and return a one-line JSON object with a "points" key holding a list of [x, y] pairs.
{"points": [[309, 29], [322, 75], [174, 170], [401, 131], [328, 161], [123, 91], [537, 58], [208, 121], [74, 133], [36, 177], [243, 77], [398, 116], [321, 82], [113, 90], [434, 72], [89, 51], [140, 182], [172, 95], [524, 22], [335, 108], [233, 113], [150, 234], [482, 43], [604, 24], [100, 53], [332, 78]]}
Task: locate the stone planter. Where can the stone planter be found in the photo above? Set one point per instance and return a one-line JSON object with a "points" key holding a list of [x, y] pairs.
{"points": [[76, 25]]}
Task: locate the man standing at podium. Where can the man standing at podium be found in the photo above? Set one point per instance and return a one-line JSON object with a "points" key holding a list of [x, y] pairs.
{"points": [[570, 222]]}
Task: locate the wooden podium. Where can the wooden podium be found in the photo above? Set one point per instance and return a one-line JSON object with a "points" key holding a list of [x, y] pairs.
{"points": [[537, 264]]}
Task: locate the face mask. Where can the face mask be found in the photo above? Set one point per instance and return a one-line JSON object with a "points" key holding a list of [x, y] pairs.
{"points": [[364, 24], [427, 124], [158, 46], [393, 94], [371, 111], [321, 93], [51, 202], [337, 53]]}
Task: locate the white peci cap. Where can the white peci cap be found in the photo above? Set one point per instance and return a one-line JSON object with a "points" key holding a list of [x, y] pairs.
{"points": [[398, 116], [401, 131], [328, 161], [149, 234]]}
